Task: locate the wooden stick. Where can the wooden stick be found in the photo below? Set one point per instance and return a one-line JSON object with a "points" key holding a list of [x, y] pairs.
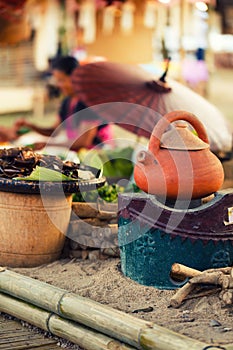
{"points": [[181, 294], [185, 271], [225, 270], [116, 324], [226, 296], [231, 279], [224, 281], [204, 293], [84, 337], [216, 278]]}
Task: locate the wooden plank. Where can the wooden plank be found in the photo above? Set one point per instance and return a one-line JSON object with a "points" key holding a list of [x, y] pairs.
{"points": [[10, 326], [46, 347], [12, 333], [27, 346], [36, 338], [26, 343], [13, 336], [17, 338]]}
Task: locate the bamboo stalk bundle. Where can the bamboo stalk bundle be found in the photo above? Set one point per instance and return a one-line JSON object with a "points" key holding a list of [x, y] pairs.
{"points": [[114, 323], [83, 336], [73, 307]]}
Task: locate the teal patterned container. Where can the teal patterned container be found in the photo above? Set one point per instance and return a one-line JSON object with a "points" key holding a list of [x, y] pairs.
{"points": [[153, 236]]}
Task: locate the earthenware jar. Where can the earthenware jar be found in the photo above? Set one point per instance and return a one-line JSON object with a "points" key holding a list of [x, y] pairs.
{"points": [[179, 163]]}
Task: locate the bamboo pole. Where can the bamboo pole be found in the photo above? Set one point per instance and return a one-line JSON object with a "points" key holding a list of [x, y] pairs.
{"points": [[109, 321], [154, 339], [30, 290], [26, 312], [228, 346], [135, 332], [83, 336]]}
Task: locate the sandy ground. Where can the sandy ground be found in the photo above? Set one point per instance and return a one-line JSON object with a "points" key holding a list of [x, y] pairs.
{"points": [[200, 317]]}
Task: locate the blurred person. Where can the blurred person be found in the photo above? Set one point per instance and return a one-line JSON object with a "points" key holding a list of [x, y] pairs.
{"points": [[82, 129], [8, 134]]}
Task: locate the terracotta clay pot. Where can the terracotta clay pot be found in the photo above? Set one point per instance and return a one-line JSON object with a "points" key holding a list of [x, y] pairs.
{"points": [[178, 163], [32, 233]]}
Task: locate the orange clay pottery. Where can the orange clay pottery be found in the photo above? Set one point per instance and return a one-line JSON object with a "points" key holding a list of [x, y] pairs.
{"points": [[178, 163]]}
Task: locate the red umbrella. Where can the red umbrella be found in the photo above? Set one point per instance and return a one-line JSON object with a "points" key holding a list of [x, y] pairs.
{"points": [[119, 93], [11, 10]]}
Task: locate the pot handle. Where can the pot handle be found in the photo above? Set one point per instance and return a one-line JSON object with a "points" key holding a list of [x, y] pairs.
{"points": [[163, 123]]}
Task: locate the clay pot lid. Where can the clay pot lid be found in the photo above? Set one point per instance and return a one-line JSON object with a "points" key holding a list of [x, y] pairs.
{"points": [[181, 138]]}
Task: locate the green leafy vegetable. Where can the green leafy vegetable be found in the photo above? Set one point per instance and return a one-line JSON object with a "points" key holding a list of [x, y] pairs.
{"points": [[108, 193], [114, 162], [45, 174]]}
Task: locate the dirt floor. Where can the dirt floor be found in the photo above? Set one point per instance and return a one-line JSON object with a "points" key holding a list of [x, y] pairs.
{"points": [[202, 317]]}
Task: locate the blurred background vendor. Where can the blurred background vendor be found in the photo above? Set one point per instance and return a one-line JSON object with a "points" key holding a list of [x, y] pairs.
{"points": [[8, 134], [83, 130]]}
